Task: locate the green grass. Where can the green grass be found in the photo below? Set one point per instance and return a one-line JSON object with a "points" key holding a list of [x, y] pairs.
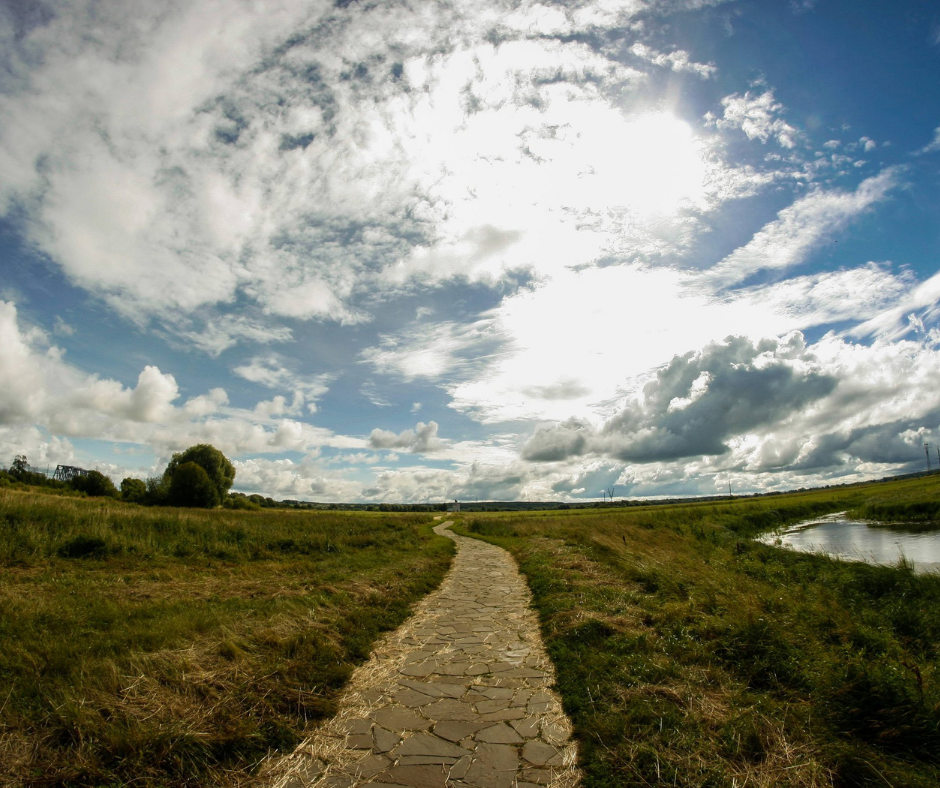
{"points": [[910, 507], [179, 647], [689, 655]]}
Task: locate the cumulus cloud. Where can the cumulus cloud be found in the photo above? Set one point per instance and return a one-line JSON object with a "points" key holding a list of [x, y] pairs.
{"points": [[697, 403], [422, 439], [226, 171], [471, 482], [568, 439], [39, 388], [306, 480], [767, 414], [758, 116], [571, 346], [192, 158]]}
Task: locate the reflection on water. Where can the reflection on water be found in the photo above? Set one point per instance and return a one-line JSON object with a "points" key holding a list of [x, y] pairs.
{"points": [[860, 541]]}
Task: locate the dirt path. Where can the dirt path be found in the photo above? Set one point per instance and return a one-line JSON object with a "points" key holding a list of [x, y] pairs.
{"points": [[458, 696]]}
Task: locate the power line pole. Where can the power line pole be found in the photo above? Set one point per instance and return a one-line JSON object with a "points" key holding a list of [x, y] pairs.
{"points": [[927, 452]]}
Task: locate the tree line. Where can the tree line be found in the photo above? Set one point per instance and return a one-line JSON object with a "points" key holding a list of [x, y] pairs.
{"points": [[199, 477]]}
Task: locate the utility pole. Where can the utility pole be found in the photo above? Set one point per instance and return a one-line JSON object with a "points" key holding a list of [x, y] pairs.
{"points": [[729, 489], [927, 452]]}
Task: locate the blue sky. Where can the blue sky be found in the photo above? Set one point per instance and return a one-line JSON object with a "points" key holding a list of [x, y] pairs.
{"points": [[479, 250]]}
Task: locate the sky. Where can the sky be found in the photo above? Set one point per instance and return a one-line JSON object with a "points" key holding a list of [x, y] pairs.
{"points": [[472, 249]]}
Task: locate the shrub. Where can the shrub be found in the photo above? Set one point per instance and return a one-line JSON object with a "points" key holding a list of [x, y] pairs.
{"points": [[240, 501], [157, 491], [219, 470], [133, 490], [191, 486], [94, 483]]}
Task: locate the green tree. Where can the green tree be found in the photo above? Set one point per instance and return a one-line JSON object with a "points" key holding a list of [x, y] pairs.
{"points": [[94, 483], [217, 467], [20, 465], [133, 490], [156, 491], [191, 486]]}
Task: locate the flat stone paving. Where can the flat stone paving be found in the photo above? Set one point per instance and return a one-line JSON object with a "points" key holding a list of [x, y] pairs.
{"points": [[460, 695]]}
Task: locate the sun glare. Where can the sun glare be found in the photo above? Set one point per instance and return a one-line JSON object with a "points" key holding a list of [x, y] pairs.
{"points": [[654, 165]]}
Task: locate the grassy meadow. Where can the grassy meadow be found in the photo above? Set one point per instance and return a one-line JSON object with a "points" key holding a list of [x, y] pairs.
{"points": [[179, 647], [690, 655]]}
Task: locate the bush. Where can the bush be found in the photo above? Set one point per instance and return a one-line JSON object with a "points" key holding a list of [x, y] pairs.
{"points": [[19, 473], [95, 484], [133, 490], [157, 491], [240, 501], [191, 486], [220, 472]]}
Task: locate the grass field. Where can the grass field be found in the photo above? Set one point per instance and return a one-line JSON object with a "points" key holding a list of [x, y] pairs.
{"points": [[689, 655], [168, 647]]}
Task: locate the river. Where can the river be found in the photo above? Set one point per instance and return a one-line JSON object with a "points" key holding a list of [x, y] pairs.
{"points": [[855, 540]]}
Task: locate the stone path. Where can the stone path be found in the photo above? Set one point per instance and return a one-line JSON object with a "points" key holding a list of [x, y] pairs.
{"points": [[460, 695]]}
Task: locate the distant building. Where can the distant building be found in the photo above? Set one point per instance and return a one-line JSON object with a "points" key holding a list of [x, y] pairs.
{"points": [[455, 507]]}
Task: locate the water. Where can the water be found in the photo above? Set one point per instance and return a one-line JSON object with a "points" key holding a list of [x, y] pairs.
{"points": [[855, 540]]}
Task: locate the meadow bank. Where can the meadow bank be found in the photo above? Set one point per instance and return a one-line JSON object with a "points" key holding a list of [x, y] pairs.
{"points": [[689, 655], [171, 647]]}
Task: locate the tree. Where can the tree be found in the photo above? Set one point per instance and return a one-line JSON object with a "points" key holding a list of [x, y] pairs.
{"points": [[191, 486], [215, 464], [20, 465], [133, 490], [95, 484], [157, 487]]}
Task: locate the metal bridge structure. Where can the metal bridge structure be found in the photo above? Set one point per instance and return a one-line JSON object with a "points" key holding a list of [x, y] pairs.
{"points": [[65, 473]]}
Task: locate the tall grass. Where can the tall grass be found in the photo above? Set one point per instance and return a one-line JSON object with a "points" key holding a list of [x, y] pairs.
{"points": [[688, 655], [180, 647]]}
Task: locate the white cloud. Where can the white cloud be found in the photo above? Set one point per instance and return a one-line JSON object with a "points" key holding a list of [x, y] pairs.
{"points": [[307, 480], [62, 328], [934, 145], [757, 115], [42, 451], [270, 371], [422, 439], [38, 388], [697, 403], [473, 482], [219, 334], [447, 349], [801, 415], [678, 60], [225, 170], [893, 321], [570, 346], [801, 227], [172, 159]]}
